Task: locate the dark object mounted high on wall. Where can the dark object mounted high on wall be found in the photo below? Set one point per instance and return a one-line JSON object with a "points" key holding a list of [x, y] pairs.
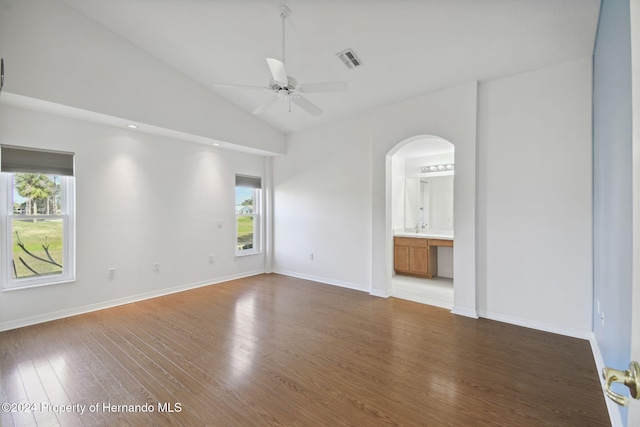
{"points": [[1, 73]]}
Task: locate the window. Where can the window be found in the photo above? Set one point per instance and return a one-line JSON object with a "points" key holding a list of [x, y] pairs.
{"points": [[248, 218], [37, 211]]}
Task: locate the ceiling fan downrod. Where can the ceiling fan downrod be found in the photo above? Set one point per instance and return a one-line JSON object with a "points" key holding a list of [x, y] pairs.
{"points": [[284, 13]]}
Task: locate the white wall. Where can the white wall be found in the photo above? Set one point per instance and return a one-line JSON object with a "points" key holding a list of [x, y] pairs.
{"points": [[534, 193], [54, 53], [535, 200], [330, 192], [398, 190], [140, 199], [322, 202]]}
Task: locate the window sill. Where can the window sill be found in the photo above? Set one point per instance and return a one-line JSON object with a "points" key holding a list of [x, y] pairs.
{"points": [[37, 285], [242, 255]]}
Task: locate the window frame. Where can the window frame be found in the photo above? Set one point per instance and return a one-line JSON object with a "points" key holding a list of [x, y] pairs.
{"points": [[257, 219], [7, 216]]}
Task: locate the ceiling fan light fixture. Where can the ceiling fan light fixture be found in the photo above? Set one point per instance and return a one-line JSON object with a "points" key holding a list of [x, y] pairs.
{"points": [[349, 59]]}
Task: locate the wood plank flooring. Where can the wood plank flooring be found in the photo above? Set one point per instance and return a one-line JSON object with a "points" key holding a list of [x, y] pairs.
{"points": [[275, 350]]}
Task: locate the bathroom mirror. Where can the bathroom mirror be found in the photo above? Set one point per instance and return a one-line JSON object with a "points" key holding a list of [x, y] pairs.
{"points": [[429, 203]]}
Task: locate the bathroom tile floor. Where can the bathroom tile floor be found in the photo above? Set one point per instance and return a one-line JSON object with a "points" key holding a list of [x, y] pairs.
{"points": [[437, 292]]}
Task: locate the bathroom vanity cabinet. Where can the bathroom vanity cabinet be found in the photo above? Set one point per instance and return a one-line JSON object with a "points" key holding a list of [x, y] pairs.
{"points": [[414, 256]]}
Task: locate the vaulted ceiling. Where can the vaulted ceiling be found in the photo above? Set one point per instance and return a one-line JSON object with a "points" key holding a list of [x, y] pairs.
{"points": [[407, 47]]}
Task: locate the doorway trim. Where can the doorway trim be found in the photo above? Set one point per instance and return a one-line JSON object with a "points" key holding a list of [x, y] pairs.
{"points": [[633, 417], [464, 219]]}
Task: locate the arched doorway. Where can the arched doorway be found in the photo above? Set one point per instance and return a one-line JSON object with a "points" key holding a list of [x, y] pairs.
{"points": [[421, 170]]}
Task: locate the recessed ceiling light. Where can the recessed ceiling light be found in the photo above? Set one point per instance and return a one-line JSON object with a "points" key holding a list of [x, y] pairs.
{"points": [[216, 144], [132, 126]]}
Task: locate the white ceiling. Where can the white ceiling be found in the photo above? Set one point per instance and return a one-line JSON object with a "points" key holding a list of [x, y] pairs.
{"points": [[407, 47]]}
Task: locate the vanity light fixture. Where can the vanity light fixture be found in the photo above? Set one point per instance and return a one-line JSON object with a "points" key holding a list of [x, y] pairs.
{"points": [[437, 168]]}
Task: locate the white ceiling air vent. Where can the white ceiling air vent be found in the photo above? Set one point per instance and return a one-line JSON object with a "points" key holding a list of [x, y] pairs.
{"points": [[349, 58]]}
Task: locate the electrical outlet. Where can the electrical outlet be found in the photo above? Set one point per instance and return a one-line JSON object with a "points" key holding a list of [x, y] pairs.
{"points": [[111, 273], [310, 257], [156, 267], [210, 259]]}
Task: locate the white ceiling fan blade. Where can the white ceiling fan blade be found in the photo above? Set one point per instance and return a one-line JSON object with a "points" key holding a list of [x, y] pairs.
{"points": [[241, 87], [278, 72], [265, 106], [324, 87], [307, 105]]}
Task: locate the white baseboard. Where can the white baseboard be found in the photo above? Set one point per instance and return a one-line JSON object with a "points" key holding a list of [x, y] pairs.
{"points": [[532, 324], [379, 293], [462, 311], [47, 317], [322, 280], [614, 412]]}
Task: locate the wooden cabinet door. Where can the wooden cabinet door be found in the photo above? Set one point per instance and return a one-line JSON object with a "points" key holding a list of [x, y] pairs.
{"points": [[401, 258], [419, 260]]}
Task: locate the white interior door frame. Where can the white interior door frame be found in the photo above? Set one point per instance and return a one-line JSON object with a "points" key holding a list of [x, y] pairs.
{"points": [[634, 407]]}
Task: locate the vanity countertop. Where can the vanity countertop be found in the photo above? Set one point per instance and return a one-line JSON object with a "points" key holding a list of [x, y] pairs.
{"points": [[427, 234]]}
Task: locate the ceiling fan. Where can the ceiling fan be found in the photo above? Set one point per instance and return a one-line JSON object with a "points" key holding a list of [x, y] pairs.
{"points": [[286, 87]]}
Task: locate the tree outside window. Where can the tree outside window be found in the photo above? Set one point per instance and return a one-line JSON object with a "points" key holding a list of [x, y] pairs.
{"points": [[37, 226]]}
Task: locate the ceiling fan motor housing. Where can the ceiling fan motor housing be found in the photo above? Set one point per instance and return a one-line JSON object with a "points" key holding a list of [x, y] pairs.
{"points": [[285, 91]]}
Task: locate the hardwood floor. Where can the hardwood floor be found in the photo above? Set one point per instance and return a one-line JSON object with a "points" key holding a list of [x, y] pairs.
{"points": [[274, 350]]}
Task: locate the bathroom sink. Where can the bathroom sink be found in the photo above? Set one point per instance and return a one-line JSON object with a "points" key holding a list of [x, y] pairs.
{"points": [[428, 234]]}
